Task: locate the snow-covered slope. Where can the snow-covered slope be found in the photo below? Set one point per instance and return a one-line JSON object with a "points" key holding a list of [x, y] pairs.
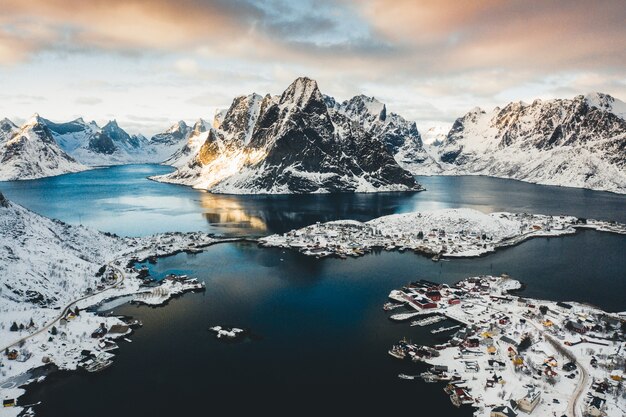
{"points": [[171, 141], [189, 148], [575, 143], [400, 136], [112, 145], [46, 261], [290, 143], [31, 152], [7, 130]]}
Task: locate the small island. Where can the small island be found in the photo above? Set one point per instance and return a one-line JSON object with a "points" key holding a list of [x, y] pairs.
{"points": [[438, 233]]}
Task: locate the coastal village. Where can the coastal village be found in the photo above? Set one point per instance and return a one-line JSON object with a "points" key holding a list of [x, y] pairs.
{"points": [[439, 233], [487, 325], [507, 355], [74, 337]]}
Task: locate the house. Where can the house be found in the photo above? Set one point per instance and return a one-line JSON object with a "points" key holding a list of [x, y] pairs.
{"points": [[528, 403], [434, 295], [496, 364], [576, 327], [454, 301], [508, 340], [118, 329], [564, 306], [424, 303], [503, 411], [596, 407], [9, 402]]}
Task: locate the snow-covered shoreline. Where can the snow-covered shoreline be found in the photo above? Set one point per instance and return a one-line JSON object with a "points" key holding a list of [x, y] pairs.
{"points": [[538, 356], [437, 233], [52, 272]]}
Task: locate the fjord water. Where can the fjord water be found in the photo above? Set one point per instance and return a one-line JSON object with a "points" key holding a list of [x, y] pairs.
{"points": [[122, 200], [323, 336]]}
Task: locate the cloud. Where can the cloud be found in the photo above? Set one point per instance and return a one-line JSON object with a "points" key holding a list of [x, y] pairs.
{"points": [[89, 101], [430, 59]]}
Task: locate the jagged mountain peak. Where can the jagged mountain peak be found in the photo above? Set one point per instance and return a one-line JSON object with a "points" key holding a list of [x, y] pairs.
{"points": [[34, 120], [200, 126], [578, 142], [32, 152], [300, 92], [606, 102], [365, 106], [288, 144], [179, 126], [7, 122], [111, 124]]}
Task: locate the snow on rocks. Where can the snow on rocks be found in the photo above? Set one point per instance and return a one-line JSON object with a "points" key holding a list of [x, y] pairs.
{"points": [[227, 333], [171, 287], [438, 233]]}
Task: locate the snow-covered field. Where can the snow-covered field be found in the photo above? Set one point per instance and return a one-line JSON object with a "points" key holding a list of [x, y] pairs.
{"points": [[442, 233]]}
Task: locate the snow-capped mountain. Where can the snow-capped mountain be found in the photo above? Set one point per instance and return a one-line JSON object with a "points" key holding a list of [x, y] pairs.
{"points": [[109, 145], [577, 143], [292, 143], [31, 152], [191, 144], [46, 261], [7, 130], [400, 136]]}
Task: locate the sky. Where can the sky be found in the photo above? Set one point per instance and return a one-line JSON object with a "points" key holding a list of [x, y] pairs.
{"points": [[148, 63]]}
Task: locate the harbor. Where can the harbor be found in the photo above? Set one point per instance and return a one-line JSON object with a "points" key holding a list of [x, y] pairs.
{"points": [[513, 354]]}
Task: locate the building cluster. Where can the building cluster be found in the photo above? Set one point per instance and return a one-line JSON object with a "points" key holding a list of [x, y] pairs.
{"points": [[461, 237], [514, 355]]}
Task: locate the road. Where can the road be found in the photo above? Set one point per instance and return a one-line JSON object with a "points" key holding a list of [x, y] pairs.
{"points": [[572, 409], [121, 277]]}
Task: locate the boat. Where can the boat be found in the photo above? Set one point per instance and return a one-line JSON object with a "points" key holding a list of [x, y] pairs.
{"points": [[98, 363], [428, 377], [106, 345], [444, 329], [405, 376], [391, 306], [428, 321], [405, 316], [397, 352]]}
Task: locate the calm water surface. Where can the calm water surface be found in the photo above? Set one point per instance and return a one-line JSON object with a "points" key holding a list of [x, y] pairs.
{"points": [[323, 334], [122, 200]]}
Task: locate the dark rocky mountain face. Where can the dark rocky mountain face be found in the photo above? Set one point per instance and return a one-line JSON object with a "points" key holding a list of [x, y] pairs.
{"points": [[290, 144], [74, 126], [392, 129], [3, 201], [102, 144]]}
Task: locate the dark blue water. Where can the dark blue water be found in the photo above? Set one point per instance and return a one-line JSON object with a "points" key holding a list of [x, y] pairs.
{"points": [[323, 334], [121, 200]]}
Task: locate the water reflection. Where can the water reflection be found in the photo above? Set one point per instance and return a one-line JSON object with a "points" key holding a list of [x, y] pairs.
{"points": [[227, 211], [122, 200]]}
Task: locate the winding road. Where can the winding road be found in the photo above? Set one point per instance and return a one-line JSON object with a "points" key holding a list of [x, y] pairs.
{"points": [[120, 278], [572, 409]]}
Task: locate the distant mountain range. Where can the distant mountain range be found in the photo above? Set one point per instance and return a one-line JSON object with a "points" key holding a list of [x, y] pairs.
{"points": [[575, 143], [305, 142]]}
